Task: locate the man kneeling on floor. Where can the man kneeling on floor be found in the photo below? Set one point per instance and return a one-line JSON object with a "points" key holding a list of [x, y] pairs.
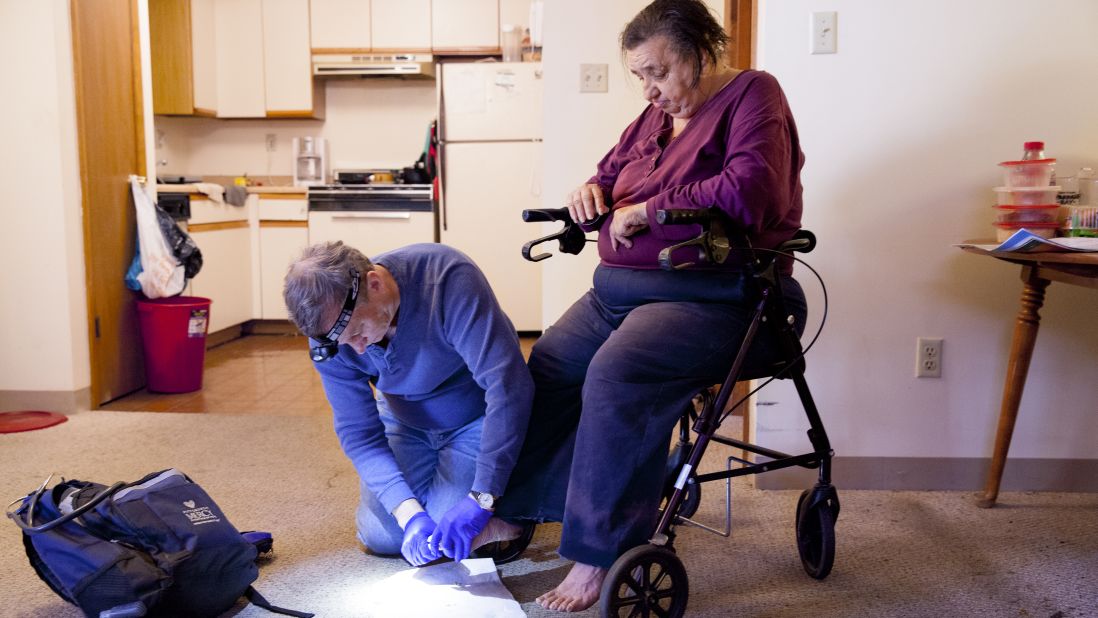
{"points": [[428, 387]]}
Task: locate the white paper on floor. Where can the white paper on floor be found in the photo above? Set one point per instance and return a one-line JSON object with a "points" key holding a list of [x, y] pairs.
{"points": [[467, 589]]}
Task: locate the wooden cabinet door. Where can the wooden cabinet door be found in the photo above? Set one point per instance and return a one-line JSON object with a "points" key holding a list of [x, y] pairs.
{"points": [[465, 26], [287, 60], [342, 25], [238, 41], [401, 25], [170, 56]]}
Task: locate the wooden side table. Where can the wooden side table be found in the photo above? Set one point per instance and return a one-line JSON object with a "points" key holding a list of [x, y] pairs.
{"points": [[1038, 271]]}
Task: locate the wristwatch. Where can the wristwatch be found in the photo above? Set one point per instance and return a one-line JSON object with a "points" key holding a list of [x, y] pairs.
{"points": [[486, 501]]}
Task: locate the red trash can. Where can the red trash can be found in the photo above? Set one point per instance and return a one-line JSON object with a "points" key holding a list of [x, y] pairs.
{"points": [[173, 335]]}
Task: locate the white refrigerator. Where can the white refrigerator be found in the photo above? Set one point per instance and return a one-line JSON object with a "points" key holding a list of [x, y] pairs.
{"points": [[490, 159]]}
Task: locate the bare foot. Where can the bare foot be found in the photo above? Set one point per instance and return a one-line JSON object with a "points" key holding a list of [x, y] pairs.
{"points": [[496, 530], [579, 590]]}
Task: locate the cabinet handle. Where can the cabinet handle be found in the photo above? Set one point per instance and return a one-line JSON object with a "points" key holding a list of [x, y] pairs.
{"points": [[373, 215]]}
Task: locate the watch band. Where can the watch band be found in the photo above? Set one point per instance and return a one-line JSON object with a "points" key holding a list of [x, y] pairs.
{"points": [[485, 500]]}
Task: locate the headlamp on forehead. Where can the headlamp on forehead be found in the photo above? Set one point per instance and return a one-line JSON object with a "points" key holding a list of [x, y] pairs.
{"points": [[327, 346]]}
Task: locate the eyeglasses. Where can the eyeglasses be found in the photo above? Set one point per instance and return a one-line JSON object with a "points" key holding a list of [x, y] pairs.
{"points": [[327, 346]]}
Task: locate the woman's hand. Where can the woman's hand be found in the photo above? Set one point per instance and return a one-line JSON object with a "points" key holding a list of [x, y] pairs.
{"points": [[626, 221], [586, 203]]}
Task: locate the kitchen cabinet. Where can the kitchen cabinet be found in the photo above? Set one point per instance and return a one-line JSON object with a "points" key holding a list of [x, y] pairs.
{"points": [[340, 26], [465, 26], [349, 26], [283, 235], [287, 60], [401, 25], [233, 59], [222, 232]]}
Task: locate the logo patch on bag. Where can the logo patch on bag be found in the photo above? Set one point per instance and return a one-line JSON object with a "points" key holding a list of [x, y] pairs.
{"points": [[199, 515]]}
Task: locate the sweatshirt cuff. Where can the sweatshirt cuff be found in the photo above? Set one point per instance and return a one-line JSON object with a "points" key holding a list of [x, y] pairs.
{"points": [[391, 497]]}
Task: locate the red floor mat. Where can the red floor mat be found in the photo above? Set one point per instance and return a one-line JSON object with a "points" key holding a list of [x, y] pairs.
{"points": [[12, 422]]}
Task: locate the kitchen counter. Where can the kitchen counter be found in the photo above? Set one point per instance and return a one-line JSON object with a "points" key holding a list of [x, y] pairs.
{"points": [[268, 189]]}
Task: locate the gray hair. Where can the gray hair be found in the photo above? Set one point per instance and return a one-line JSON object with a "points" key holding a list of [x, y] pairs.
{"points": [[689, 25], [318, 280]]}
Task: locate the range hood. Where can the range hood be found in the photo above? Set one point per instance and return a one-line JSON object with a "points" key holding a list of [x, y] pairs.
{"points": [[371, 65]]}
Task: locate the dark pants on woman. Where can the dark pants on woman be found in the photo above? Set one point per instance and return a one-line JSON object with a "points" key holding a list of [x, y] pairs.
{"points": [[612, 377]]}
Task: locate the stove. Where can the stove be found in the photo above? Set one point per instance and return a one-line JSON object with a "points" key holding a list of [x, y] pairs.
{"points": [[370, 190], [371, 210]]}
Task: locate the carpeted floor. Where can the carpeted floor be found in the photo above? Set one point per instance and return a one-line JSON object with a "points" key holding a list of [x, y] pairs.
{"points": [[899, 553]]}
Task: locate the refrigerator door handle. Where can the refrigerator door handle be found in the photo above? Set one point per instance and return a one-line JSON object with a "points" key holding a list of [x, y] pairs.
{"points": [[439, 101]]}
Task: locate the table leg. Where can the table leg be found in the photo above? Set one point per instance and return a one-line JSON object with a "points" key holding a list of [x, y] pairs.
{"points": [[1021, 350]]}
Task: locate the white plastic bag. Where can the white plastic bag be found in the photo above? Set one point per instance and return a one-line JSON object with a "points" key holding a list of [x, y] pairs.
{"points": [[161, 274]]}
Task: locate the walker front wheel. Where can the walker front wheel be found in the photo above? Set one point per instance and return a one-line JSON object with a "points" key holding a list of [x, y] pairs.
{"points": [[816, 533], [645, 581]]}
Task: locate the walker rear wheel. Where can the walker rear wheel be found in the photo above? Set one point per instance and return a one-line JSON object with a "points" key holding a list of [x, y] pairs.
{"points": [[815, 524], [645, 581]]}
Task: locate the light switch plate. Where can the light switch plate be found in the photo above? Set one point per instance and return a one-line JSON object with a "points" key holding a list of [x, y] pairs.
{"points": [[824, 34], [593, 77]]}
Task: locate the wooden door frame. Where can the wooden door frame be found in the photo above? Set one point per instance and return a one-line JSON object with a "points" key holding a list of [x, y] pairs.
{"points": [[740, 22], [95, 353]]}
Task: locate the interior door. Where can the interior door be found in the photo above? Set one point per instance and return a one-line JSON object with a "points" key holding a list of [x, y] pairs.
{"points": [[112, 142]]}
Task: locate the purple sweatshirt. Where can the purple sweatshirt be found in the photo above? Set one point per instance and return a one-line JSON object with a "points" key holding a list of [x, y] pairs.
{"points": [[739, 152]]}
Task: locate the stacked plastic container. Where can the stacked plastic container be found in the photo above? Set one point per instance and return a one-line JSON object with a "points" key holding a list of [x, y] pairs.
{"points": [[1028, 199]]}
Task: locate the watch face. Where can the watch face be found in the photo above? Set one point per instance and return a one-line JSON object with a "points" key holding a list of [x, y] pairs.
{"points": [[485, 500]]}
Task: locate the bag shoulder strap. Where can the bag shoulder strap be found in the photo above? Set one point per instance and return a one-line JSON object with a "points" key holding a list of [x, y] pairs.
{"points": [[257, 599]]}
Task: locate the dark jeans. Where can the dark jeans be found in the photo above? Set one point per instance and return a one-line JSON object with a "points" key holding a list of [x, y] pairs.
{"points": [[612, 376]]}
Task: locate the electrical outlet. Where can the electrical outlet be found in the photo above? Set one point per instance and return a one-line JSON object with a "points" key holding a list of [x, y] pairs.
{"points": [[824, 35], [928, 357], [593, 77], [272, 142]]}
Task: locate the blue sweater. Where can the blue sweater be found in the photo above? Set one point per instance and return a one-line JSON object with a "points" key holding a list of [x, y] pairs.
{"points": [[454, 357]]}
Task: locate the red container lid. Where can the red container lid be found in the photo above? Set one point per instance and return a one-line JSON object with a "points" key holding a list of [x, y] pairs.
{"points": [[1027, 206], [1033, 145]]}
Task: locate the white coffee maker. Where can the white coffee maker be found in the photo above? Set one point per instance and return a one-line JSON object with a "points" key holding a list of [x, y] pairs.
{"points": [[310, 161]]}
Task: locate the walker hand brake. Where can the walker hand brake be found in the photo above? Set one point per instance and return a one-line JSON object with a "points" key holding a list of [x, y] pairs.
{"points": [[571, 237], [712, 243]]}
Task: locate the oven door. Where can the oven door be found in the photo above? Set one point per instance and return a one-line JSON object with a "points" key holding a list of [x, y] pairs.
{"points": [[372, 231]]}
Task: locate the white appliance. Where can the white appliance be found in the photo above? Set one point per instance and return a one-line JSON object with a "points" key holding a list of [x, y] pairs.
{"points": [[372, 217], [490, 160], [380, 65], [310, 161]]}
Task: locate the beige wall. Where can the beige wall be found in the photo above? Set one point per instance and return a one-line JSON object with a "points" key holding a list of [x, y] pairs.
{"points": [[42, 296], [902, 130]]}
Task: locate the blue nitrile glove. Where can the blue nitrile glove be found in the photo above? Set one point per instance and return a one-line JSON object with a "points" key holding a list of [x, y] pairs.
{"points": [[415, 548], [458, 527]]}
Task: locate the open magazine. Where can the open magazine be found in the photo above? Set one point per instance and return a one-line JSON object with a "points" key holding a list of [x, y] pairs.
{"points": [[1025, 241]]}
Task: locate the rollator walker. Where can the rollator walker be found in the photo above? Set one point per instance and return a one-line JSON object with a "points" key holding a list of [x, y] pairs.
{"points": [[650, 580]]}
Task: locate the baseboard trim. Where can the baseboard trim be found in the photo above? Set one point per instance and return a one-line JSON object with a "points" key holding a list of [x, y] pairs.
{"points": [[945, 473], [270, 327], [64, 402]]}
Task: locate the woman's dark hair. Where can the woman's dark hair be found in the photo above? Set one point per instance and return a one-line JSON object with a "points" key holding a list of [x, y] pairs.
{"points": [[689, 26]]}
